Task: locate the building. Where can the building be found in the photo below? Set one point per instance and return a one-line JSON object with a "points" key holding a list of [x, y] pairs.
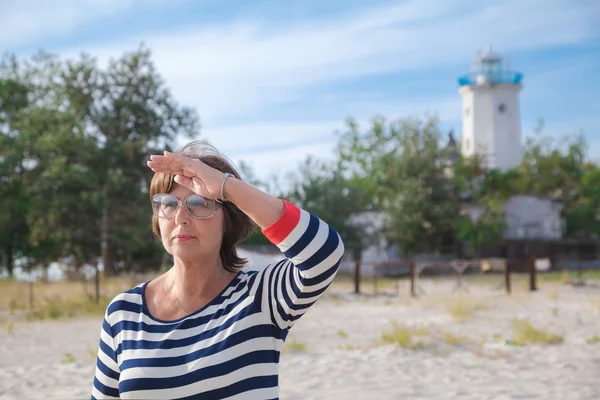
{"points": [[491, 128], [490, 112]]}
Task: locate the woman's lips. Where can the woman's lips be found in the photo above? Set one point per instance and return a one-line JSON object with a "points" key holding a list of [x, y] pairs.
{"points": [[182, 238]]}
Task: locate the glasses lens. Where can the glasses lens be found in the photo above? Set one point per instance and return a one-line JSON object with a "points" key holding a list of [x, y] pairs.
{"points": [[164, 205], [200, 207]]}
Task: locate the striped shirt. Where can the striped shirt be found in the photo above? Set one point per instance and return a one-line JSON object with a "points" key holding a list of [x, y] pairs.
{"points": [[231, 347]]}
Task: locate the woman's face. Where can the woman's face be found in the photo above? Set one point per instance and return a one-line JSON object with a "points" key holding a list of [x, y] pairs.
{"points": [[189, 238]]}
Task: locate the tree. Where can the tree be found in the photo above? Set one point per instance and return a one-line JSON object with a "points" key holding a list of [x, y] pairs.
{"points": [[483, 194], [402, 164], [130, 114], [46, 148], [320, 188], [555, 168], [14, 100], [74, 140], [584, 218]]}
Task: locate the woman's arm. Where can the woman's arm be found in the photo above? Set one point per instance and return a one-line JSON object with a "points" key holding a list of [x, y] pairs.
{"points": [[261, 207], [312, 248], [106, 378], [313, 251]]}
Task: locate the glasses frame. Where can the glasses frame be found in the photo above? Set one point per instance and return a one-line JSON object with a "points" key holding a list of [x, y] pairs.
{"points": [[218, 205]]}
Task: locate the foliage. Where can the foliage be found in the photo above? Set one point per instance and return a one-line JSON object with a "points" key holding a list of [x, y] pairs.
{"points": [[74, 139], [583, 216], [555, 168], [402, 165], [483, 193], [321, 189]]}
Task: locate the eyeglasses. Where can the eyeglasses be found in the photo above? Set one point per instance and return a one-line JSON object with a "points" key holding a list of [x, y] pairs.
{"points": [[166, 206]]}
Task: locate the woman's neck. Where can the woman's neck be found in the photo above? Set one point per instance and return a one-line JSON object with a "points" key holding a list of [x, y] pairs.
{"points": [[193, 281]]}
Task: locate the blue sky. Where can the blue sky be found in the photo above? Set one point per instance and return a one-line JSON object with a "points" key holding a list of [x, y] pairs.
{"points": [[273, 80]]}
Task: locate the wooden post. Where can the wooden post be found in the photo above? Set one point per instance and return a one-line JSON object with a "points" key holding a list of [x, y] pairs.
{"points": [[97, 284], [31, 300], [579, 273], [374, 278], [507, 276], [532, 274], [412, 278], [357, 260], [459, 270]]}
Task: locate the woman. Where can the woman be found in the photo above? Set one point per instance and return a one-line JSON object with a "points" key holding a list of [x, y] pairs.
{"points": [[206, 328]]}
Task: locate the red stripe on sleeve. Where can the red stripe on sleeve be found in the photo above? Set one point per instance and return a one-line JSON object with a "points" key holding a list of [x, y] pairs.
{"points": [[280, 229]]}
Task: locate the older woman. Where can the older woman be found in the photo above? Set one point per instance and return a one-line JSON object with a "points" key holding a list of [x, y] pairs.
{"points": [[206, 328]]}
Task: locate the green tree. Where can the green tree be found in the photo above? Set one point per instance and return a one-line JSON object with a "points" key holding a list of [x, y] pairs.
{"points": [[45, 145], [14, 201], [130, 114], [403, 164], [320, 188], [584, 218], [482, 194], [555, 168]]}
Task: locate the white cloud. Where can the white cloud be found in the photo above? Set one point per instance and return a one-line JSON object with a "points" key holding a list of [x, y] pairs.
{"points": [[268, 143], [280, 162], [244, 70], [231, 70], [31, 21]]}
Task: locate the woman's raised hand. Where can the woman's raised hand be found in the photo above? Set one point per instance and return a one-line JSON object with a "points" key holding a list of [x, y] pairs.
{"points": [[191, 173]]}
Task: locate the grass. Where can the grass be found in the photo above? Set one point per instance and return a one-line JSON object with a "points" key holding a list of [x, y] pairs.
{"points": [[10, 327], [563, 276], [54, 309], [343, 334], [345, 282], [454, 340], [68, 358], [92, 352], [555, 311], [526, 333], [59, 300], [14, 295], [594, 339], [462, 309], [404, 337], [293, 345]]}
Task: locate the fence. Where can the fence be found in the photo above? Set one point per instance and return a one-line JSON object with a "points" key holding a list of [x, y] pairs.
{"points": [[412, 269]]}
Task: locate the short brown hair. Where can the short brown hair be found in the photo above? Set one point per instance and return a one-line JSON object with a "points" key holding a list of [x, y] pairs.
{"points": [[237, 225]]}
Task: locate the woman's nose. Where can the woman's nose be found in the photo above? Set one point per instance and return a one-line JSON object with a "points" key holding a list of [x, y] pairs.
{"points": [[182, 216]]}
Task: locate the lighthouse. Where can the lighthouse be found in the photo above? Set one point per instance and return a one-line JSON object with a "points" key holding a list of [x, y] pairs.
{"points": [[490, 112]]}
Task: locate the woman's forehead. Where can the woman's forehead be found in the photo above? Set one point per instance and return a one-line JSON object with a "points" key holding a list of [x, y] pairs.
{"points": [[181, 192]]}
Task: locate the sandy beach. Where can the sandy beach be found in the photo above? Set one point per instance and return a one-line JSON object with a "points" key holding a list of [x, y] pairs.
{"points": [[442, 345]]}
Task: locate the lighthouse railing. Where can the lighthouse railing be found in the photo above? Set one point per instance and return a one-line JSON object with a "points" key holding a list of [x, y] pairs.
{"points": [[491, 77]]}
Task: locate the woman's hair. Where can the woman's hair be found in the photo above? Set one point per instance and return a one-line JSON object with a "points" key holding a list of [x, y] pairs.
{"points": [[237, 225]]}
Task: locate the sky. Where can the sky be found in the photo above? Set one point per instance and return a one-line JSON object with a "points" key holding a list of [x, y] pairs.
{"points": [[273, 81]]}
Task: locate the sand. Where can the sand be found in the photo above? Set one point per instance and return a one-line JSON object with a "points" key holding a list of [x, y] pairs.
{"points": [[336, 350]]}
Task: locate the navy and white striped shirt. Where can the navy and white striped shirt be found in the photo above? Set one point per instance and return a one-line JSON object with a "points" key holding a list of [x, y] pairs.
{"points": [[230, 348]]}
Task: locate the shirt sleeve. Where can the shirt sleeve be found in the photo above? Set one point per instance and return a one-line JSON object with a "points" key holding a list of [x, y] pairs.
{"points": [[106, 378], [313, 251]]}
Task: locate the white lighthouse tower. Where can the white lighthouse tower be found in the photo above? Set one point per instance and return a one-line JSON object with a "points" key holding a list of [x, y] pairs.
{"points": [[491, 120]]}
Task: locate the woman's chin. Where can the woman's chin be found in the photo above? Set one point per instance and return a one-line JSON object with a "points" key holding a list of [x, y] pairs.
{"points": [[185, 252]]}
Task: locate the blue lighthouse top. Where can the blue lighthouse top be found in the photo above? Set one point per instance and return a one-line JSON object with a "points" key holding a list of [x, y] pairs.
{"points": [[490, 68]]}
